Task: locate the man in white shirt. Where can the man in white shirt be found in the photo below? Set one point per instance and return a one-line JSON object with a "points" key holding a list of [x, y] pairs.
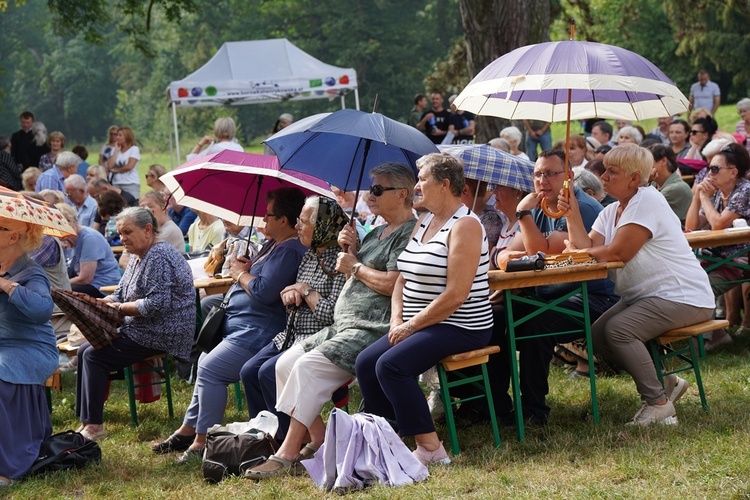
{"points": [[705, 94]]}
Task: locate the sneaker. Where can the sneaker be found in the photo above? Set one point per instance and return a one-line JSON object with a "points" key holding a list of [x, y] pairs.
{"points": [[675, 387], [655, 414], [439, 456]]}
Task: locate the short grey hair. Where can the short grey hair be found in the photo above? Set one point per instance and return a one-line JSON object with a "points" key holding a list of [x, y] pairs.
{"points": [[588, 180], [500, 143], [224, 128], [399, 175], [139, 216], [512, 134], [40, 133], [743, 104], [444, 166], [632, 131], [76, 182], [314, 203], [66, 159]]}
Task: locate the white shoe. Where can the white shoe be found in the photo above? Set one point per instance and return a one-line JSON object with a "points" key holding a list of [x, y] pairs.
{"points": [[655, 414], [675, 387]]}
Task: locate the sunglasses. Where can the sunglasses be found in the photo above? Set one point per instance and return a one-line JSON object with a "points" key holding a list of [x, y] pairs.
{"points": [[693, 132], [715, 170], [378, 190]]}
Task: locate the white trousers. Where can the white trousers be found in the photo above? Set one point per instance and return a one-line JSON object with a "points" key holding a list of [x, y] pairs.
{"points": [[304, 382]]}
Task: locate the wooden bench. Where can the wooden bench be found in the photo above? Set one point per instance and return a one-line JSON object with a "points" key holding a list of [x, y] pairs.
{"points": [[481, 382], [53, 382], [662, 349]]}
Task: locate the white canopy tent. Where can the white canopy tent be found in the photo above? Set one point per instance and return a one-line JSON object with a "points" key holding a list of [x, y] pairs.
{"points": [[260, 71]]}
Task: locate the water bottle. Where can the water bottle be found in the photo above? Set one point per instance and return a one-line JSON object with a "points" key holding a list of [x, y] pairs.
{"points": [[466, 123], [432, 125], [111, 229]]}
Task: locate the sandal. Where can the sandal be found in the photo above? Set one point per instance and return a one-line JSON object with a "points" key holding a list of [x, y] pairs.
{"points": [[274, 466], [190, 455], [94, 436], [307, 452], [175, 442]]}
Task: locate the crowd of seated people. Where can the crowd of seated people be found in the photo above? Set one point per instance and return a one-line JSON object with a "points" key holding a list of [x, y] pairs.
{"points": [[320, 305]]}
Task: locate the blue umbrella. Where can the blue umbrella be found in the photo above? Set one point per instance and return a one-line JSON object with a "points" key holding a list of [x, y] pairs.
{"points": [[488, 164], [343, 146]]}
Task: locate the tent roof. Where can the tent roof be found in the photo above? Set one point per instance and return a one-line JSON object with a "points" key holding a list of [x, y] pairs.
{"points": [[261, 71]]}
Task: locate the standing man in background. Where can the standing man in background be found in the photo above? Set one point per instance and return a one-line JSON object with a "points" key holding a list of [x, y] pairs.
{"points": [[435, 122], [20, 141], [704, 93], [537, 134], [415, 115]]}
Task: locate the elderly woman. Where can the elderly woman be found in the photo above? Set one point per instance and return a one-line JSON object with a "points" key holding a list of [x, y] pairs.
{"points": [[440, 306], [123, 164], [592, 186], [29, 178], [39, 145], [473, 196], [92, 264], [313, 298], [629, 135], [95, 172], [655, 294], [743, 126], [28, 355], [514, 138], [56, 143], [721, 198], [309, 372], [224, 132], [153, 174], [667, 179], [506, 201], [254, 315], [157, 298]]}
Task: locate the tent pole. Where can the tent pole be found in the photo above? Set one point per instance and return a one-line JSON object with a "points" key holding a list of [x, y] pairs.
{"points": [[169, 133], [176, 132], [356, 99], [343, 101]]}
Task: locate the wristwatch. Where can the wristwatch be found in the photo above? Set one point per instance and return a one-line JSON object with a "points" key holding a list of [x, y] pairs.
{"points": [[355, 268], [307, 292], [11, 287], [522, 213]]}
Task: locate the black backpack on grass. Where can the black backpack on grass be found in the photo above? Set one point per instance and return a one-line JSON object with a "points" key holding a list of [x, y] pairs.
{"points": [[65, 450]]}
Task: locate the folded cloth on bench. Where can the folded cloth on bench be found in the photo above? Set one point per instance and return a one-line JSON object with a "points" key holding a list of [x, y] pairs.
{"points": [[97, 321]]}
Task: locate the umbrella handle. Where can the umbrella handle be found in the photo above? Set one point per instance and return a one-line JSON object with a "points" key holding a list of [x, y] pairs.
{"points": [[550, 213]]}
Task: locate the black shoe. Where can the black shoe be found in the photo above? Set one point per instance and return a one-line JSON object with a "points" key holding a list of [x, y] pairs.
{"points": [[189, 456], [175, 442], [509, 420]]}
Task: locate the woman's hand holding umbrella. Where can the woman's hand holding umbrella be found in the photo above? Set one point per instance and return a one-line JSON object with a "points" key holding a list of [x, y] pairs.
{"points": [[239, 266]]}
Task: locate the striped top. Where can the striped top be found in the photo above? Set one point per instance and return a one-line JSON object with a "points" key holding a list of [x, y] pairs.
{"points": [[424, 267]]}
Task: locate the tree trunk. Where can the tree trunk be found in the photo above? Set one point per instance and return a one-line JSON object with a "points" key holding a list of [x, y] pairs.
{"points": [[495, 27]]}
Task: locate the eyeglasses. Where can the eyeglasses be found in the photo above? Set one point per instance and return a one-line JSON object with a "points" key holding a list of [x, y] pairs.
{"points": [[715, 170], [378, 190], [150, 175], [547, 174], [693, 132], [303, 222], [269, 214]]}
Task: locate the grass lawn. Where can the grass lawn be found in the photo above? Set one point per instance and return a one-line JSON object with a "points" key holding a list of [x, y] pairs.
{"points": [[706, 456]]}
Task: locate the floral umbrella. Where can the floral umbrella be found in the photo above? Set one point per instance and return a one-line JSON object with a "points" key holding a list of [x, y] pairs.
{"points": [[16, 206]]}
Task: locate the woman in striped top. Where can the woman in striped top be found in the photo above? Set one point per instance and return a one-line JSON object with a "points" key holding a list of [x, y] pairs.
{"points": [[440, 305]]}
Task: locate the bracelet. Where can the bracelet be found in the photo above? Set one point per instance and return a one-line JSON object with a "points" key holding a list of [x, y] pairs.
{"points": [[239, 277]]}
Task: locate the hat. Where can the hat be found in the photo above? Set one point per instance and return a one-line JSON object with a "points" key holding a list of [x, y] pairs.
{"points": [[590, 141], [286, 117]]}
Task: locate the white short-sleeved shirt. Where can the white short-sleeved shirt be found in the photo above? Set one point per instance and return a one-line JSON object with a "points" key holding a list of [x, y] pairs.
{"points": [[122, 159], [703, 95], [665, 266]]}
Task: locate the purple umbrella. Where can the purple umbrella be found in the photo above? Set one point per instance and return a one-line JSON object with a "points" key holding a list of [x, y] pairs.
{"points": [[561, 81]]}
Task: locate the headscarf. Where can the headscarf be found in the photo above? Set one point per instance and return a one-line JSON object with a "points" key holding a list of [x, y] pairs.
{"points": [[330, 221]]}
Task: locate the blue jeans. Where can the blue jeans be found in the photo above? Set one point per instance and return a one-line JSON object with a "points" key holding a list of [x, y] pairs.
{"points": [[545, 141], [258, 377], [388, 374], [216, 370]]}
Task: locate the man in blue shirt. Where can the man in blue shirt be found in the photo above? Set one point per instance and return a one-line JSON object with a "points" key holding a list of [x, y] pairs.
{"points": [[705, 94], [540, 233], [182, 216], [77, 192], [54, 178]]}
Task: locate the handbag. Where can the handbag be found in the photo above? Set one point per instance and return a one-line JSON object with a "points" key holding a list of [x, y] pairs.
{"points": [[229, 454], [212, 330], [65, 450]]}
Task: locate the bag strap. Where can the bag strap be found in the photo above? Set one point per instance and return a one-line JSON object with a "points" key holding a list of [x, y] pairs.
{"points": [[290, 330]]}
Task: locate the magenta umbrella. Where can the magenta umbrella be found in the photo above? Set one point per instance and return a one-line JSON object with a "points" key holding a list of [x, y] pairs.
{"points": [[233, 186]]}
